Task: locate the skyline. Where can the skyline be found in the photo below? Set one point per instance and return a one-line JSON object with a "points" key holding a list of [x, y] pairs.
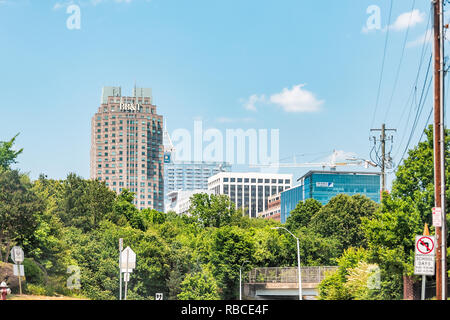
{"points": [[221, 63]]}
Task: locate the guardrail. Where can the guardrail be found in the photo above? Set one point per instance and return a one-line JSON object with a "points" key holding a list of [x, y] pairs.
{"points": [[288, 275]]}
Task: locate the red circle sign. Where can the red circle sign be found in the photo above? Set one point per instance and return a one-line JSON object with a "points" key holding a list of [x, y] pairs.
{"points": [[425, 245]]}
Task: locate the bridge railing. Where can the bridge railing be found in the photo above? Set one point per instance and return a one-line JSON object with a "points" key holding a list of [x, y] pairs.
{"points": [[288, 275]]}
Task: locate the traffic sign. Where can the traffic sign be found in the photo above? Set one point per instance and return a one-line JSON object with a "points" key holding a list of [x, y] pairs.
{"points": [[17, 255], [159, 296], [128, 259], [437, 217], [126, 270], [18, 268], [126, 277], [425, 245], [424, 265]]}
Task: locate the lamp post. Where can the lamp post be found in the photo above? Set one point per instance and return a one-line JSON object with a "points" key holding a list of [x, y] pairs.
{"points": [[240, 279], [298, 261]]}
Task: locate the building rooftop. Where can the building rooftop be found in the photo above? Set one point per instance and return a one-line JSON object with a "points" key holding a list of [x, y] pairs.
{"points": [[309, 173]]}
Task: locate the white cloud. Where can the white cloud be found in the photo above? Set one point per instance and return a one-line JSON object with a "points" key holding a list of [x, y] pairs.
{"points": [[250, 103], [293, 100], [408, 19], [297, 100]]}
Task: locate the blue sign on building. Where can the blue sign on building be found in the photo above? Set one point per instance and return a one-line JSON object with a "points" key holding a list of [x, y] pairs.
{"points": [[324, 185]]}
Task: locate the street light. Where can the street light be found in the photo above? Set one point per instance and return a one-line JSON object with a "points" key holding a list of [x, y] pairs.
{"points": [[298, 261], [240, 279]]}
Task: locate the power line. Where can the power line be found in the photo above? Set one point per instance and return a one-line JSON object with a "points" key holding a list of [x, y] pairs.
{"points": [[401, 61], [413, 129], [415, 102], [382, 65], [414, 87]]}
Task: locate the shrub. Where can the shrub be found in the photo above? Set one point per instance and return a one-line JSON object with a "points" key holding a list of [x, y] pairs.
{"points": [[37, 290], [33, 272]]}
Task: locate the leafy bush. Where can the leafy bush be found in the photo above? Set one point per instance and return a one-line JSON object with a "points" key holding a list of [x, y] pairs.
{"points": [[34, 274], [35, 289]]}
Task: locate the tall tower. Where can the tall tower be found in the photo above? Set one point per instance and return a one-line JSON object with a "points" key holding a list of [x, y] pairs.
{"points": [[127, 146]]}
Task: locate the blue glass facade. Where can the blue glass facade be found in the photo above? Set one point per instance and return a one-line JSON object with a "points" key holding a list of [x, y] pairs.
{"points": [[323, 186]]}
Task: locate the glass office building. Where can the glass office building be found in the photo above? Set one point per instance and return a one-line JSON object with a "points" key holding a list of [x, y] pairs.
{"points": [[190, 175], [324, 185], [186, 175]]}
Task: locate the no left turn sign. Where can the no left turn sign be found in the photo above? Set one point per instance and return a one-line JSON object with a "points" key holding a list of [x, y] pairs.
{"points": [[425, 245]]}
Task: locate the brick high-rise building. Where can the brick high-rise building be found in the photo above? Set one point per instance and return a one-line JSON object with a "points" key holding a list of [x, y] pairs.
{"points": [[127, 146]]}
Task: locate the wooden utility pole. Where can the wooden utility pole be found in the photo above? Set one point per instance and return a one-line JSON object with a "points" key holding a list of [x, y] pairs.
{"points": [[439, 148]]}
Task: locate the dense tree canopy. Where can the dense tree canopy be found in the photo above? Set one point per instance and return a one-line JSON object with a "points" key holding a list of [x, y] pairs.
{"points": [[19, 207]]}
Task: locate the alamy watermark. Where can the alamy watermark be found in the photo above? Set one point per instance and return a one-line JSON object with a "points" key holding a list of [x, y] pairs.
{"points": [[73, 22], [237, 146], [374, 279], [73, 282]]}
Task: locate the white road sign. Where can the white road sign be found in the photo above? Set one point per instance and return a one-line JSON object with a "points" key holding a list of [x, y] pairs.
{"points": [[126, 271], [128, 259], [17, 255], [437, 217], [425, 245], [424, 265], [126, 277], [159, 296], [17, 268]]}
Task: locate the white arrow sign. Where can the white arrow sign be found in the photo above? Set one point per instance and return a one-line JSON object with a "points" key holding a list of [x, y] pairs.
{"points": [[128, 259]]}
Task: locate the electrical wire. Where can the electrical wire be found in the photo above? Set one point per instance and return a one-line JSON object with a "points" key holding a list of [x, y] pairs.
{"points": [[382, 65], [401, 62]]}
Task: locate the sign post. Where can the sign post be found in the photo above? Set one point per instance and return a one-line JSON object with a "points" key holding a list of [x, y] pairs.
{"points": [[120, 266], [424, 262], [18, 256], [127, 264]]}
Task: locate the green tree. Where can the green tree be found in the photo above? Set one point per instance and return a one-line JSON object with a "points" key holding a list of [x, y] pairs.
{"points": [[199, 286], [8, 156], [212, 210], [84, 203], [414, 179], [230, 247], [18, 208], [124, 211], [46, 245], [302, 214], [333, 287], [341, 220], [391, 237]]}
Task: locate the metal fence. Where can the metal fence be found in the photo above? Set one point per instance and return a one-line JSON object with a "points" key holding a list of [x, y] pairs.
{"points": [[288, 275]]}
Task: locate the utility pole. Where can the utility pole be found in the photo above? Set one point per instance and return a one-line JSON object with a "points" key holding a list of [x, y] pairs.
{"points": [[439, 148], [384, 160]]}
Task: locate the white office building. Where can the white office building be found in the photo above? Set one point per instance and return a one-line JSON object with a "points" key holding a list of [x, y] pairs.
{"points": [[180, 201], [250, 191]]}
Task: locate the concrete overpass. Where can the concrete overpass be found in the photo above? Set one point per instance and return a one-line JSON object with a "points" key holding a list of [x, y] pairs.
{"points": [[282, 283]]}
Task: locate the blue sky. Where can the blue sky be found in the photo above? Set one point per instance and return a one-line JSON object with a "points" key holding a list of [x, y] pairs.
{"points": [[312, 71]]}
